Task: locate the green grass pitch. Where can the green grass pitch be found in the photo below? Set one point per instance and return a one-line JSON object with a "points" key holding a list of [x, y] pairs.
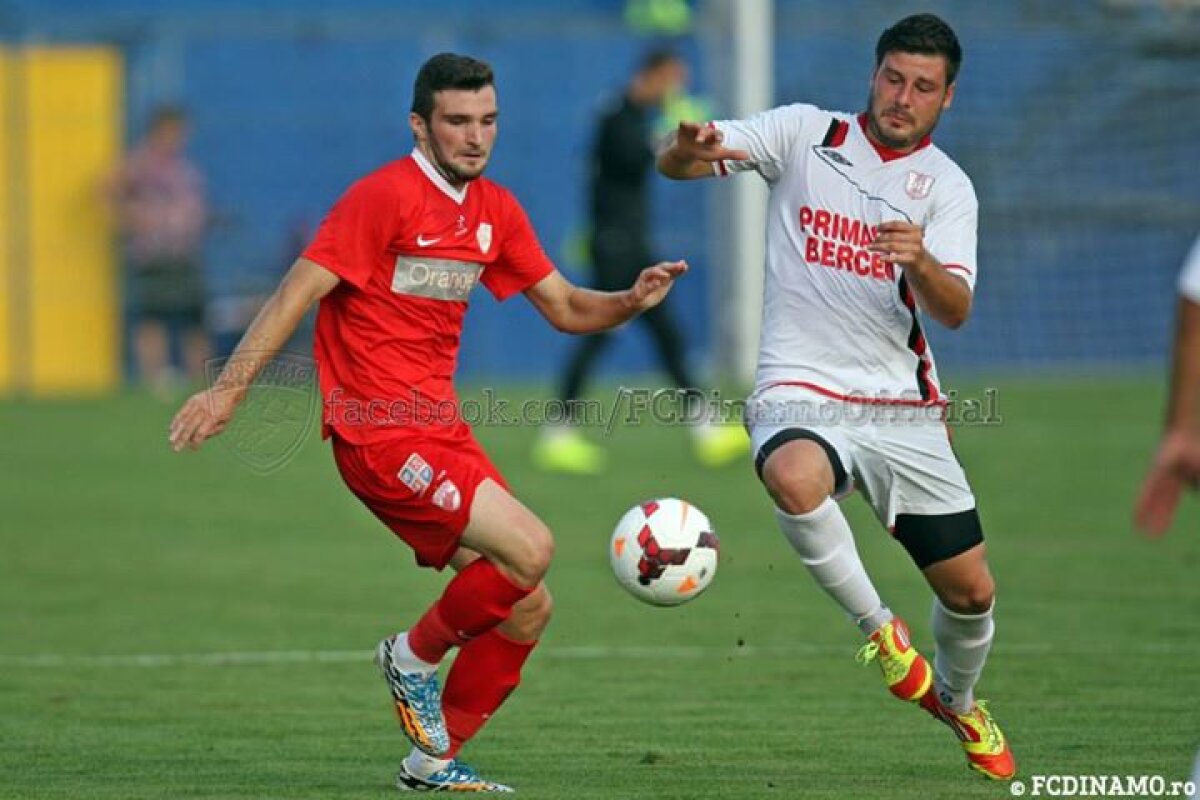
{"points": [[112, 547]]}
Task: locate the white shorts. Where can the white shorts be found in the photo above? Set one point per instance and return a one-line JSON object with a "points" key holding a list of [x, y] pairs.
{"points": [[898, 456]]}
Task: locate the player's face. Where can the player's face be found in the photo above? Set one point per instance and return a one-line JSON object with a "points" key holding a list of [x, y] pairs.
{"points": [[667, 80], [461, 132], [908, 95]]}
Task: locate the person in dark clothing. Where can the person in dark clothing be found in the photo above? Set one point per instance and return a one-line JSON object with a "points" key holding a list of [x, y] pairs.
{"points": [[622, 160]]}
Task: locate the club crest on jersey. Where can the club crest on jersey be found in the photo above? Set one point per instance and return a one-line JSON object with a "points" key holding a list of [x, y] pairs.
{"points": [[416, 473], [918, 185], [447, 497], [483, 235]]}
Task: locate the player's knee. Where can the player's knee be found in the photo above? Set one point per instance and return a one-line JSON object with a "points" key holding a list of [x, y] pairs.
{"points": [[973, 596], [536, 552], [796, 493], [798, 476], [530, 616]]}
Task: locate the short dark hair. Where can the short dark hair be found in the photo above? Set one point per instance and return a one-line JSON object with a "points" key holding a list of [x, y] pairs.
{"points": [[658, 57], [927, 34], [447, 71]]}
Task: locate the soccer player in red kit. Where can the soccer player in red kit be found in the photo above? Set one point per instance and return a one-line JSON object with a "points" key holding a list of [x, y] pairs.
{"points": [[392, 266]]}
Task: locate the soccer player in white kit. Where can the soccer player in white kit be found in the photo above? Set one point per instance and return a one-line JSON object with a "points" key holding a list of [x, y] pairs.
{"points": [[1177, 462], [867, 222]]}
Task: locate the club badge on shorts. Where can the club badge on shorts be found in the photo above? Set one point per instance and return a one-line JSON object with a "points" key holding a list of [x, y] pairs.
{"points": [[447, 497], [918, 185], [416, 474]]}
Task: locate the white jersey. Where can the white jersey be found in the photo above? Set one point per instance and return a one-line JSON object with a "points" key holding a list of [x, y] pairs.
{"points": [[837, 318], [1189, 278]]}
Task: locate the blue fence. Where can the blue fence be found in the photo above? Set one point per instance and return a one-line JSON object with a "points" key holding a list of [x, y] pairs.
{"points": [[1077, 127]]}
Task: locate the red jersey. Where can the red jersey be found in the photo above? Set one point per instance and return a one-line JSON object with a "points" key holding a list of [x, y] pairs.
{"points": [[409, 249]]}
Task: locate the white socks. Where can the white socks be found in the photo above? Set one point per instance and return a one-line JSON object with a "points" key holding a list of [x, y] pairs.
{"points": [[825, 543], [420, 765], [406, 660], [963, 641]]}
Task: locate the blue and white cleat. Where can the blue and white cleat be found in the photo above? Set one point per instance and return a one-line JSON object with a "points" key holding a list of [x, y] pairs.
{"points": [[455, 777], [418, 699]]}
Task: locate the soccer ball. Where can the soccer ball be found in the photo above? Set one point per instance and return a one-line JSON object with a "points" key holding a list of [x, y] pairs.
{"points": [[664, 552]]}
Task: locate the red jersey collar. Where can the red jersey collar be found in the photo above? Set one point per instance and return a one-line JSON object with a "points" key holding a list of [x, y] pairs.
{"points": [[886, 153]]}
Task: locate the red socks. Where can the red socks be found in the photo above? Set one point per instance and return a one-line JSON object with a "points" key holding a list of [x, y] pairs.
{"points": [[484, 674], [488, 665], [476, 600]]}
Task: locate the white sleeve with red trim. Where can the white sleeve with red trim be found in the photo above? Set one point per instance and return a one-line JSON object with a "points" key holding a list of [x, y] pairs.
{"points": [[769, 137], [1189, 278], [951, 232]]}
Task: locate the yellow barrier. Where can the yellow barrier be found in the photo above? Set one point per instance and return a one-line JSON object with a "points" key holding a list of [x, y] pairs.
{"points": [[8, 242], [62, 109]]}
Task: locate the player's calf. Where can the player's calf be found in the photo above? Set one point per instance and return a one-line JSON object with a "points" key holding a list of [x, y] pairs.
{"points": [[530, 616]]}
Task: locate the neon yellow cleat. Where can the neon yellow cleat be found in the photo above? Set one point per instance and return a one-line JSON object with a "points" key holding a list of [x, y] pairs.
{"points": [[718, 445], [567, 451], [987, 750], [907, 673]]}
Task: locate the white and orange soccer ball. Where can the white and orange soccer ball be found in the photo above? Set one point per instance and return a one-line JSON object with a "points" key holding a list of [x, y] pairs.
{"points": [[664, 552]]}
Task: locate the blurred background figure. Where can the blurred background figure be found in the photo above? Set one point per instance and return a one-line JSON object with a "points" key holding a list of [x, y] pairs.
{"points": [[1176, 465], [162, 212], [622, 160]]}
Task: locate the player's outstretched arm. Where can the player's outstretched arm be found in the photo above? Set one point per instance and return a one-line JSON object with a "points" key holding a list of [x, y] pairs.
{"points": [[206, 413], [572, 309], [1176, 464], [690, 151]]}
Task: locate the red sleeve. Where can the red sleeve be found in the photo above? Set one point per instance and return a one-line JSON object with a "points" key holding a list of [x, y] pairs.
{"points": [[521, 262], [356, 233]]}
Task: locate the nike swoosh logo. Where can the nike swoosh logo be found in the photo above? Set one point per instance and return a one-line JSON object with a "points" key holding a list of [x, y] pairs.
{"points": [[423, 242]]}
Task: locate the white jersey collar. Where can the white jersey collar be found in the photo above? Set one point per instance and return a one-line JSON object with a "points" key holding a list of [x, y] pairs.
{"points": [[435, 177]]}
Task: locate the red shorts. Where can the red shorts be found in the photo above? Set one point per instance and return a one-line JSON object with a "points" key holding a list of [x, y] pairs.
{"points": [[420, 487]]}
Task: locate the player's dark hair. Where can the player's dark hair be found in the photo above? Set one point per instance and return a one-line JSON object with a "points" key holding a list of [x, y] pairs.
{"points": [[658, 57], [926, 34], [447, 71]]}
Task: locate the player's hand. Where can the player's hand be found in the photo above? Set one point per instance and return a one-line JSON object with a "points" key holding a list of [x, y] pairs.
{"points": [[1176, 467], [653, 284], [901, 243], [695, 141], [203, 415]]}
